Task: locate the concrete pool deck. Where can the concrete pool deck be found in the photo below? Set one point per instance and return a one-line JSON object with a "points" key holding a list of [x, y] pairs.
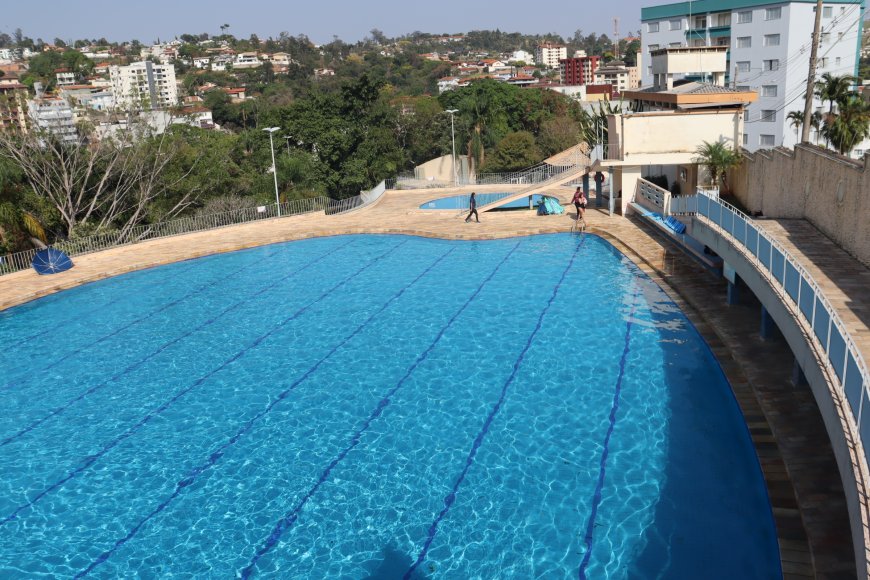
{"points": [[789, 435]]}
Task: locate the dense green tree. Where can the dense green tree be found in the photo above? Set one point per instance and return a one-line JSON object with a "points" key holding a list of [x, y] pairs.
{"points": [[514, 152]]}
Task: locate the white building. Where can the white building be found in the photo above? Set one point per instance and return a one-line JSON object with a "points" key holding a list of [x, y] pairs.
{"points": [[65, 77], [52, 115], [144, 85], [246, 60], [769, 52], [521, 56], [201, 62], [549, 54], [613, 73]]}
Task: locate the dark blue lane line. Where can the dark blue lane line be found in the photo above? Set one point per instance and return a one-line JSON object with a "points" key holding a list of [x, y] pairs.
{"points": [[139, 363], [596, 497], [90, 460], [287, 521], [213, 283], [218, 453], [85, 314], [478, 441]]}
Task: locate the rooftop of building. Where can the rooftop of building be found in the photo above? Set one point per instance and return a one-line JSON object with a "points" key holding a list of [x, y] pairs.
{"points": [[704, 6]]}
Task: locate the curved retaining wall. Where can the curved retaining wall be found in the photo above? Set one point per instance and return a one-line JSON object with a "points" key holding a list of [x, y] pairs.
{"points": [[839, 416]]}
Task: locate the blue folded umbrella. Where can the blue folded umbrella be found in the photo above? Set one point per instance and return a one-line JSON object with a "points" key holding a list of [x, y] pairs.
{"points": [[51, 261]]}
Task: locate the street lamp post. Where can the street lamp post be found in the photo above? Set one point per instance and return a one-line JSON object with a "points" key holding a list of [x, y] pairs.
{"points": [[452, 112], [271, 130]]}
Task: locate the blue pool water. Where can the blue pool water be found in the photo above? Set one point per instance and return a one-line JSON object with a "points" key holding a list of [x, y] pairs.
{"points": [[375, 407], [461, 201]]}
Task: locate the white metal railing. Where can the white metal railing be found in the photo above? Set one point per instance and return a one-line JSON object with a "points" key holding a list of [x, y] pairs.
{"points": [[795, 284], [80, 246], [606, 151], [654, 196]]}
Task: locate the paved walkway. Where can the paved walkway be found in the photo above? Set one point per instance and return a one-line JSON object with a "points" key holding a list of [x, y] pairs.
{"points": [[785, 425]]}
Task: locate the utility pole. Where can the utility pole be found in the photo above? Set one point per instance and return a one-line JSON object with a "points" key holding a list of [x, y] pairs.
{"points": [[811, 77]]}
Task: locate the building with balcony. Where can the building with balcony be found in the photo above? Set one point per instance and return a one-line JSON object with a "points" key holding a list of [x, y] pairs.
{"points": [[144, 85], [52, 115], [614, 73], [578, 70], [768, 47], [13, 112], [549, 54], [670, 120]]}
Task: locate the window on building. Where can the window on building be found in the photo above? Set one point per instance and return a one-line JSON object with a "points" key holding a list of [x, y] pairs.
{"points": [[652, 27], [700, 22], [768, 90], [653, 47], [827, 11], [823, 62], [773, 13], [743, 88], [768, 116], [722, 41], [859, 153], [767, 140], [743, 66], [723, 19], [825, 38], [771, 65], [676, 24], [745, 140], [771, 40], [744, 17], [675, 44], [744, 42], [837, 61]]}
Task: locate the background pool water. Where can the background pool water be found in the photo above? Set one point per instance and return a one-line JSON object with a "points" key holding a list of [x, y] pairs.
{"points": [[375, 407], [461, 201]]}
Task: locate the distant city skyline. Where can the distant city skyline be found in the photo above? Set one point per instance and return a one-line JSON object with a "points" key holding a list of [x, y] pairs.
{"points": [[320, 21]]}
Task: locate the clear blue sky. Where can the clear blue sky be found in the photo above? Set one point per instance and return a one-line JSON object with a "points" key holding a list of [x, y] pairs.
{"points": [[119, 20]]}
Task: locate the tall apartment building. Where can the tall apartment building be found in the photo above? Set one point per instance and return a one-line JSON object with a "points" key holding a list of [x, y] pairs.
{"points": [[769, 47], [549, 54], [13, 111], [52, 114], [578, 70], [144, 85]]}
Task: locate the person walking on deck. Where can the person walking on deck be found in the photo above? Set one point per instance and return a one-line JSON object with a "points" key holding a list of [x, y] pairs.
{"points": [[579, 201], [472, 207]]}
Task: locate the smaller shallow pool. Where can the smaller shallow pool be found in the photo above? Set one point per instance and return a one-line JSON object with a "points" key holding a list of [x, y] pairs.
{"points": [[461, 201]]}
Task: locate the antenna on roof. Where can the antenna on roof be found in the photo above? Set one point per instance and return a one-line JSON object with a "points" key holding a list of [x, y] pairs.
{"points": [[616, 37]]}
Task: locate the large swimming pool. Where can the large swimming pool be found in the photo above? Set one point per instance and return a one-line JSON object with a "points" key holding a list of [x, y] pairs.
{"points": [[375, 407]]}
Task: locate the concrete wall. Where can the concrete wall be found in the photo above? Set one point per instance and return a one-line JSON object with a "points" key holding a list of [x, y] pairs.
{"points": [[441, 168], [667, 138], [830, 191]]}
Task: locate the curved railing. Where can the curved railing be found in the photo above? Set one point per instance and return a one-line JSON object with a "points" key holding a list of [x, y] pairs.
{"points": [[795, 284]]}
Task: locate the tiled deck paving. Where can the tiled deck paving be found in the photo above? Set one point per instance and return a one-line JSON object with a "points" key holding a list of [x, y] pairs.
{"points": [[789, 436]]}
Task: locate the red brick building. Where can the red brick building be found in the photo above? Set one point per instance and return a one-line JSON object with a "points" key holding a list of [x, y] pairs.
{"points": [[578, 70]]}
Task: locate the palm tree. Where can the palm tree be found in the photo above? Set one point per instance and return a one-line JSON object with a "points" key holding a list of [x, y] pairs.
{"points": [[834, 89], [816, 124], [850, 125], [718, 159], [795, 119], [17, 221]]}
